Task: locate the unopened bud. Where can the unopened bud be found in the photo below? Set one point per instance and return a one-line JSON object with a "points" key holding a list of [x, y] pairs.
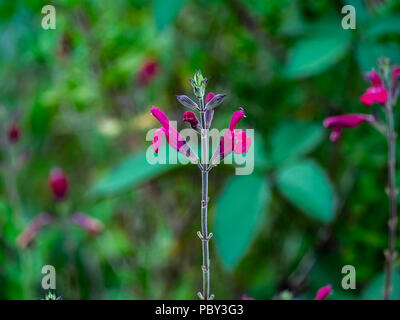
{"points": [[58, 182], [14, 133], [190, 117]]}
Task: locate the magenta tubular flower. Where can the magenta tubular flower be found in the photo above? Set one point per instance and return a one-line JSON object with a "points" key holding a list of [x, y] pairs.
{"points": [[157, 141], [245, 297], [323, 292], [174, 139], [337, 123], [58, 182], [241, 142], [233, 140], [14, 133], [91, 225], [374, 78], [190, 117], [34, 227], [375, 94], [236, 117]]}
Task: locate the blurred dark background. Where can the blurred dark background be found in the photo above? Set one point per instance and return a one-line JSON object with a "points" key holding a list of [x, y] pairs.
{"points": [[80, 98]]}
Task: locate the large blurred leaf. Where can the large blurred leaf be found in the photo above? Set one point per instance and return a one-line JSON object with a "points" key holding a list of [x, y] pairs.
{"points": [[239, 212], [369, 52], [130, 172], [374, 290], [315, 54], [165, 11], [293, 139], [388, 25], [307, 186]]}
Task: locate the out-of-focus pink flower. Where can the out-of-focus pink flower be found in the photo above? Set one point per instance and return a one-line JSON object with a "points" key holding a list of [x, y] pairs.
{"points": [[233, 140], [396, 73], [374, 78], [209, 97], [375, 94], [323, 292], [352, 120], [14, 133], [190, 117], [245, 297], [34, 227], [91, 225], [58, 182], [147, 72], [174, 139]]}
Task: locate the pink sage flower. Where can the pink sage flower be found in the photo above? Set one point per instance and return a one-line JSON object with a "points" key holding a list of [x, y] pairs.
{"points": [[374, 78], [352, 120], [233, 140], [375, 94], [174, 139], [323, 292], [241, 142]]}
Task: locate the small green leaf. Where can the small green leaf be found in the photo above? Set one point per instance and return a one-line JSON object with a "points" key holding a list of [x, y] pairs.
{"points": [[165, 12], [293, 139], [239, 213], [307, 186], [375, 289], [129, 173], [315, 54]]}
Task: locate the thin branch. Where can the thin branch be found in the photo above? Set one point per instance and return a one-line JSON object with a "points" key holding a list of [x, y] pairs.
{"points": [[391, 253]]}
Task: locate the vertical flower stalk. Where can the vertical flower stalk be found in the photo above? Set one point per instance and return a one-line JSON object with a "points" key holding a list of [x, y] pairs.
{"points": [[384, 91], [199, 84], [204, 235], [232, 141], [391, 135]]}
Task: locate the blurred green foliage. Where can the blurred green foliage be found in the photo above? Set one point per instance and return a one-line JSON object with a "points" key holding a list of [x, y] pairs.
{"points": [[309, 208]]}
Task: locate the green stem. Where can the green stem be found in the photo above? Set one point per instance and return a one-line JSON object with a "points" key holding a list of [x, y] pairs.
{"points": [[390, 253]]}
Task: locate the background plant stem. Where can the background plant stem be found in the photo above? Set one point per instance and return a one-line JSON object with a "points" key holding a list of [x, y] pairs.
{"points": [[392, 192]]}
